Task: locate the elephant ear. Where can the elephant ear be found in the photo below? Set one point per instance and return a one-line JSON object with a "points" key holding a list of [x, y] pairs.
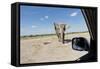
{"points": [[67, 26], [55, 25]]}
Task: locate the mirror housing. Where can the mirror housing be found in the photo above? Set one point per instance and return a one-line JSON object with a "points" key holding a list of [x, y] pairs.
{"points": [[80, 44]]}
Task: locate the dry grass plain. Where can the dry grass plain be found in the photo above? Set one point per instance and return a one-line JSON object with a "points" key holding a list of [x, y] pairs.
{"points": [[48, 49]]}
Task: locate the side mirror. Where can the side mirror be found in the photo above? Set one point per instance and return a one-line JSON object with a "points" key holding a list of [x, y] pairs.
{"points": [[80, 44]]}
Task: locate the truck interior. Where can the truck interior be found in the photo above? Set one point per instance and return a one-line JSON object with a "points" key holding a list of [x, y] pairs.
{"points": [[90, 16]]}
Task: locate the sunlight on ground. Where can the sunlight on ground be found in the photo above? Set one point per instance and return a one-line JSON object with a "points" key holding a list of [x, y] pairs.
{"points": [[48, 49]]}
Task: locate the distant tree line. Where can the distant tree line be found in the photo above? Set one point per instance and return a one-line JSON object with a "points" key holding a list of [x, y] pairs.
{"points": [[41, 35]]}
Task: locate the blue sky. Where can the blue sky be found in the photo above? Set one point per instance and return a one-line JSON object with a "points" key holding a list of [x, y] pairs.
{"points": [[40, 20]]}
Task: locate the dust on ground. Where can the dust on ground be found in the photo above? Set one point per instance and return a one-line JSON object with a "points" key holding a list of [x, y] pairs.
{"points": [[49, 49]]}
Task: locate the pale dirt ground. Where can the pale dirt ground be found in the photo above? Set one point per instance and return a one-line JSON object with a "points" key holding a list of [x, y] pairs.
{"points": [[48, 49]]}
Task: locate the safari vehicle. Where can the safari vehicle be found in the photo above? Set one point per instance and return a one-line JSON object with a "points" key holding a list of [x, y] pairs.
{"points": [[90, 16]]}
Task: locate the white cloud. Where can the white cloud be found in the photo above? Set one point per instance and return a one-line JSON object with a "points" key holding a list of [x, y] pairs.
{"points": [[73, 14], [46, 17], [33, 26]]}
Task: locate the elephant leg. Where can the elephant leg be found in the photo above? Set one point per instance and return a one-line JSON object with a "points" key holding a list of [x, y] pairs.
{"points": [[62, 37], [58, 34]]}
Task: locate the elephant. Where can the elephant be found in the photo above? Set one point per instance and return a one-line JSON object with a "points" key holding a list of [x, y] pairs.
{"points": [[60, 31]]}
